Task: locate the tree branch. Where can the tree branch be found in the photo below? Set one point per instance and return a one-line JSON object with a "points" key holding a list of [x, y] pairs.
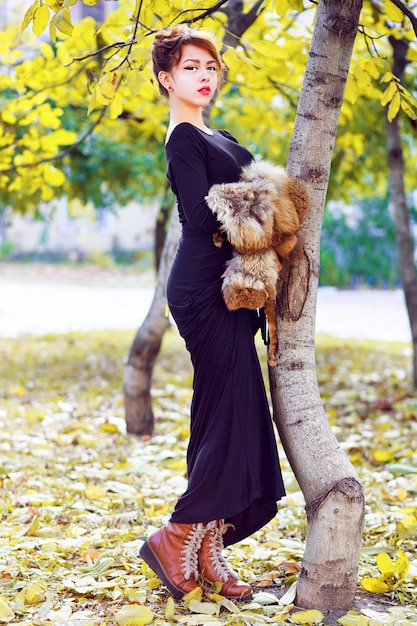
{"points": [[132, 40], [413, 18], [205, 13], [61, 155]]}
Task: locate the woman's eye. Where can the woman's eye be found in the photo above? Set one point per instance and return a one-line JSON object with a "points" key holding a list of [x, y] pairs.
{"points": [[213, 68]]}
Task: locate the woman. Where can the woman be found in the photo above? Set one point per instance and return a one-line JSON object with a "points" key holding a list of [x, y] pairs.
{"points": [[234, 478]]}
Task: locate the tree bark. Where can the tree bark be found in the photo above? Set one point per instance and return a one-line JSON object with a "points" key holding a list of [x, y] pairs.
{"points": [[404, 238], [146, 345], [332, 490]]}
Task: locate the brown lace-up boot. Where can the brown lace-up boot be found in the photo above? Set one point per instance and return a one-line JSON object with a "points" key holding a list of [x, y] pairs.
{"points": [[214, 567], [172, 553]]}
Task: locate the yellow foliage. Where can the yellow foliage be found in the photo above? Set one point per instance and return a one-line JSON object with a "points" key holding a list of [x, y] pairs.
{"points": [[307, 617], [33, 593], [392, 573], [393, 13], [170, 608], [281, 7], [134, 615], [6, 613]]}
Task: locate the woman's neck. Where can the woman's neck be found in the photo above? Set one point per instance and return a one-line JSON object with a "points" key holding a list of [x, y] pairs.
{"points": [[191, 115], [179, 119]]}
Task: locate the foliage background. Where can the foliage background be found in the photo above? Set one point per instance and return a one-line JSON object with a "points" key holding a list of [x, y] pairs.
{"points": [[78, 495]]}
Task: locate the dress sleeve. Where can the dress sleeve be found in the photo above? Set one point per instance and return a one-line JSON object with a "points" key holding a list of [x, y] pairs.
{"points": [[188, 177]]}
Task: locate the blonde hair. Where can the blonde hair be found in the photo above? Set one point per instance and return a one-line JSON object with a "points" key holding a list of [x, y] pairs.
{"points": [[167, 49]]}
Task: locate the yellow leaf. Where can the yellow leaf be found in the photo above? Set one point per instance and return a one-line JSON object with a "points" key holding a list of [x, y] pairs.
{"points": [[402, 564], [269, 49], [90, 3], [387, 77], [372, 66], [408, 110], [298, 5], [47, 193], [307, 617], [133, 81], [116, 106], [393, 13], [353, 618], [62, 21], [6, 613], [382, 456], [385, 564], [92, 492], [40, 20], [139, 55], [46, 50], [237, 61], [374, 585], [63, 137], [394, 107], [8, 117], [32, 593], [56, 178], [52, 31], [170, 608], [93, 102], [108, 427], [389, 93], [206, 608], [402, 494], [153, 583], [134, 615], [29, 15], [281, 7], [105, 90], [195, 594]]}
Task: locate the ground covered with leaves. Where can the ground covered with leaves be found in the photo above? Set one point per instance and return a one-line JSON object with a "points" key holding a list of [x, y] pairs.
{"points": [[78, 495]]}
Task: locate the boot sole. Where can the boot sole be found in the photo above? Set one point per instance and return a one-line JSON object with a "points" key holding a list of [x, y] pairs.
{"points": [[150, 558], [246, 598]]}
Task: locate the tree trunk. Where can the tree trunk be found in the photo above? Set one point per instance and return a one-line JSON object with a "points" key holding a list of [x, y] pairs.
{"points": [[146, 345], [160, 233], [332, 490], [405, 244]]}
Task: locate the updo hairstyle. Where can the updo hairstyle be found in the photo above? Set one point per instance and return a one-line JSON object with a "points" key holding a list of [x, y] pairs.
{"points": [[167, 49]]}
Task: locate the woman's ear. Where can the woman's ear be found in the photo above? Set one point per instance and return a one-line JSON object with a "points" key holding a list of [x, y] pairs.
{"points": [[164, 79]]}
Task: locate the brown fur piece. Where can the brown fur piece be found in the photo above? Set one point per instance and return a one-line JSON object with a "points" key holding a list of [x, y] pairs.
{"points": [[249, 280], [261, 216], [248, 222]]}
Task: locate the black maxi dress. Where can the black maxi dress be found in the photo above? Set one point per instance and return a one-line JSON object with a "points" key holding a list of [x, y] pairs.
{"points": [[232, 458]]}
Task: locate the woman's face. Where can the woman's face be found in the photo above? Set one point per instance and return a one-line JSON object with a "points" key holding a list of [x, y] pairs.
{"points": [[194, 79]]}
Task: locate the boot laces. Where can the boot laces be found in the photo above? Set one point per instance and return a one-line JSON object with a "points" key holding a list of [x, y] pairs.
{"points": [[189, 551], [216, 530]]}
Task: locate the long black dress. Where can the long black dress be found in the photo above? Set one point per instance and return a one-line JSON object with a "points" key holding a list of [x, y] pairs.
{"points": [[232, 459]]}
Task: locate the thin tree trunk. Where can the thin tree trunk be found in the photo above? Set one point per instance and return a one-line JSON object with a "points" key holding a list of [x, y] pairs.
{"points": [[160, 233], [146, 345], [332, 490], [404, 238]]}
